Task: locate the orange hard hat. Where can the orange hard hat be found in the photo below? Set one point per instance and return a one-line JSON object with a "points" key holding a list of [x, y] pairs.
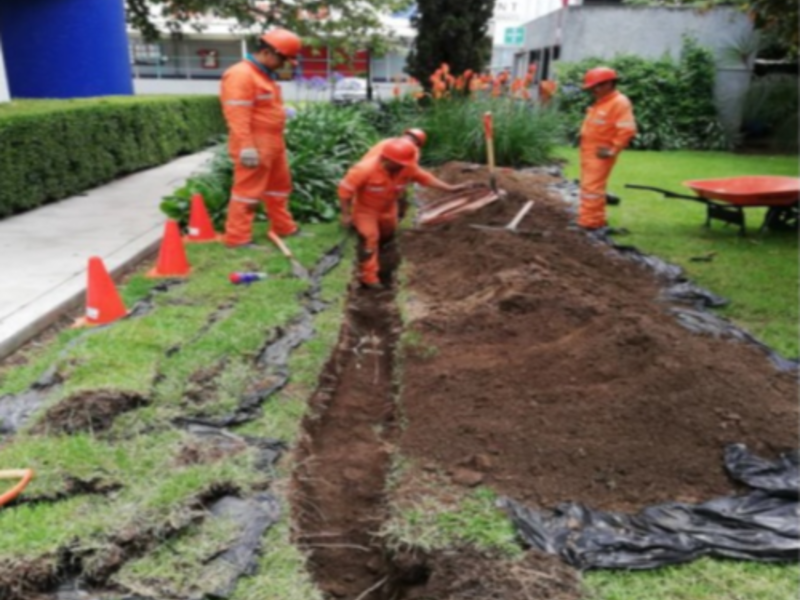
{"points": [[598, 75], [284, 42], [401, 151], [417, 134]]}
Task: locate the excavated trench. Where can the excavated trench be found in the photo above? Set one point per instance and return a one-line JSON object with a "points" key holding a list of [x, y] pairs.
{"points": [[345, 454]]}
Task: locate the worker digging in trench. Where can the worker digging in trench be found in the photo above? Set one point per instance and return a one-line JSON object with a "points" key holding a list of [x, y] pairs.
{"points": [[370, 196], [607, 129]]}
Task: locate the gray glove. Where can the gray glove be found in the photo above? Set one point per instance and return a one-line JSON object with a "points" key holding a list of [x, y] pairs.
{"points": [[249, 158]]}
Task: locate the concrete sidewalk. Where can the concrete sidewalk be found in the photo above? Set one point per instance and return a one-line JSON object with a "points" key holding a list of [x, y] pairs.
{"points": [[44, 252]]}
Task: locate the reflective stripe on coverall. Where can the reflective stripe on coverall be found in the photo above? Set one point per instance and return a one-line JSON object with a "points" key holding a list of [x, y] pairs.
{"points": [[374, 193], [253, 108], [609, 122]]}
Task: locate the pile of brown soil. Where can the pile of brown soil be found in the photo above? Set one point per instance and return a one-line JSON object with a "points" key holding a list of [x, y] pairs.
{"points": [[548, 366]]}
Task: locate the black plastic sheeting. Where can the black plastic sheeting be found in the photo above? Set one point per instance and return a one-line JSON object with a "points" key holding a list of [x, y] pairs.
{"points": [[251, 517], [761, 525], [273, 358]]}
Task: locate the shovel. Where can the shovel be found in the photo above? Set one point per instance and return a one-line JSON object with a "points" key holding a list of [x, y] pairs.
{"points": [[512, 226], [488, 129], [298, 270]]}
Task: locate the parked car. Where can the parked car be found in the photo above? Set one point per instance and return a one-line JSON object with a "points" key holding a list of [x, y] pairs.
{"points": [[350, 89]]}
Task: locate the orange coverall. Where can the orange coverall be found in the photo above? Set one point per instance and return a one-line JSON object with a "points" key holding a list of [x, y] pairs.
{"points": [[547, 89], [253, 108], [402, 199], [609, 123], [374, 193]]}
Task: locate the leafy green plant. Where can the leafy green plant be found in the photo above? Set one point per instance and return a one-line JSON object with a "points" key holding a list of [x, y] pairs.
{"points": [[390, 117], [525, 134], [215, 187], [771, 110], [323, 141], [673, 100]]}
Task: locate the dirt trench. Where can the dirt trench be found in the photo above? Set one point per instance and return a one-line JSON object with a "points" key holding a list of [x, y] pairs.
{"points": [[339, 488], [345, 452]]}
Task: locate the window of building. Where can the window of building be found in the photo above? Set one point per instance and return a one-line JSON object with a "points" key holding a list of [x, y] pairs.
{"points": [[147, 54]]}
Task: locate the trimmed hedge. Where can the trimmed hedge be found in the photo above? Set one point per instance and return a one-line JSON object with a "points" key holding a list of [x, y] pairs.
{"points": [[53, 149]]}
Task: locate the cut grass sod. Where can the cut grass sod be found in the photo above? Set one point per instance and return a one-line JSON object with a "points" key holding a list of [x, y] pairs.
{"points": [[144, 476], [757, 273]]}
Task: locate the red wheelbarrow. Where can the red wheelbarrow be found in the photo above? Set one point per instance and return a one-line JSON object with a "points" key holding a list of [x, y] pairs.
{"points": [[726, 199]]}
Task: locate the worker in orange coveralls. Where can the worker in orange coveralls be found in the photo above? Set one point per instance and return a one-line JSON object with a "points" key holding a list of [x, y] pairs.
{"points": [[607, 129], [253, 108], [369, 193], [547, 89], [419, 137]]}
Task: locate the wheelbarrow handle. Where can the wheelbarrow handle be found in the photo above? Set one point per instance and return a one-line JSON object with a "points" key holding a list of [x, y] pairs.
{"points": [[667, 193]]}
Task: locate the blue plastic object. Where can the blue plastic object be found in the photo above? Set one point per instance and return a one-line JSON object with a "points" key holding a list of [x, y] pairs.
{"points": [[65, 48], [246, 277]]}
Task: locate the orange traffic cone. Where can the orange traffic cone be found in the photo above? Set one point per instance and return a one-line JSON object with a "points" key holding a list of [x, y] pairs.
{"points": [[172, 261], [103, 302], [200, 228]]}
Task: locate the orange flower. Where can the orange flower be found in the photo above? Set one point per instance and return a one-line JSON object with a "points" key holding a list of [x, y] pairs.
{"points": [[396, 91], [445, 67]]}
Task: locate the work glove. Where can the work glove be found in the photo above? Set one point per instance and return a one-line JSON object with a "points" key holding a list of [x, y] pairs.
{"points": [[605, 152], [248, 157]]}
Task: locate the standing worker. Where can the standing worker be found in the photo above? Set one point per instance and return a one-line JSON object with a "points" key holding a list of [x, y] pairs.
{"points": [[369, 194], [607, 129], [253, 108]]}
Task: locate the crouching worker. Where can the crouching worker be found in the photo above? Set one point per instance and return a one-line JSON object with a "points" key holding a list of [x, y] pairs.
{"points": [[369, 194]]}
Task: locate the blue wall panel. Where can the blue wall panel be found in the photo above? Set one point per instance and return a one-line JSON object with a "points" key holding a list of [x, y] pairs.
{"points": [[65, 48]]}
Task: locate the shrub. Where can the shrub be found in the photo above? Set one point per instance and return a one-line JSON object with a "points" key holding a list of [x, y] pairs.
{"points": [[525, 134], [673, 101], [50, 150], [323, 141], [390, 117], [771, 110]]}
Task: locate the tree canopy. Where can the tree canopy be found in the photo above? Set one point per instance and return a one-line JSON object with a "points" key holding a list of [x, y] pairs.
{"points": [[343, 23], [452, 32]]}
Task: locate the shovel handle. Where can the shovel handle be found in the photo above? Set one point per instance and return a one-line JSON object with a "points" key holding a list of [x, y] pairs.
{"points": [[488, 125], [275, 238], [520, 215], [488, 129]]}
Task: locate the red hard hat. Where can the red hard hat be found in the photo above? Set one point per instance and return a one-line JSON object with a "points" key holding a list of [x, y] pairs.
{"points": [[418, 135], [401, 151], [598, 75], [284, 42]]}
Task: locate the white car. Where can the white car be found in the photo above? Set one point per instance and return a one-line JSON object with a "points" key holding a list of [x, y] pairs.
{"points": [[350, 89]]}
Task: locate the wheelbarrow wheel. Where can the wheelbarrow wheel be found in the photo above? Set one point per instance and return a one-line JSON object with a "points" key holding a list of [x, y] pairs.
{"points": [[784, 218]]}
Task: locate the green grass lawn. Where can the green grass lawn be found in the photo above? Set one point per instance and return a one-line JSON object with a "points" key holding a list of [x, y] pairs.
{"points": [[757, 273]]}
